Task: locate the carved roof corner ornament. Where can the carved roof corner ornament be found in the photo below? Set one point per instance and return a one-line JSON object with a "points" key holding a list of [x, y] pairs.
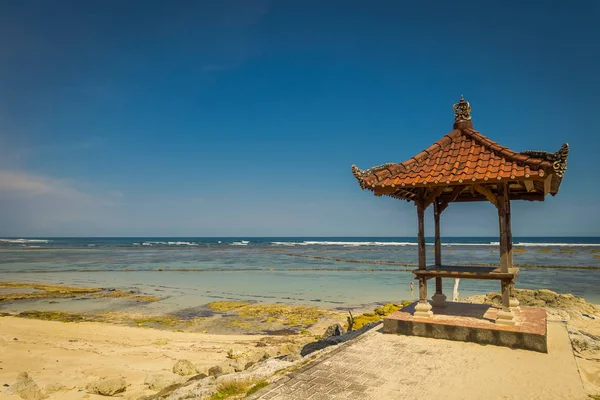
{"points": [[462, 114], [558, 159]]}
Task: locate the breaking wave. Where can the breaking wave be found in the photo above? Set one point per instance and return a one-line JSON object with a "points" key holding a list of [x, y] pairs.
{"points": [[22, 241], [166, 244], [357, 244], [240, 243]]}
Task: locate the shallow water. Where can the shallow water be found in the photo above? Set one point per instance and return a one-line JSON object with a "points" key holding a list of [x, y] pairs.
{"points": [[189, 272]]}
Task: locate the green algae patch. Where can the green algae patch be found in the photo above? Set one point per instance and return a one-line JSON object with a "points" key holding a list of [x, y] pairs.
{"points": [[365, 319], [157, 321], [519, 250], [57, 316], [167, 321], [283, 314], [224, 306], [43, 291], [120, 294], [48, 288], [387, 309], [377, 314]]}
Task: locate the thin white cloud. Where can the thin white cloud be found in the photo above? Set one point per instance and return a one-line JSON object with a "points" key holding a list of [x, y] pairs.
{"points": [[20, 184], [32, 204]]}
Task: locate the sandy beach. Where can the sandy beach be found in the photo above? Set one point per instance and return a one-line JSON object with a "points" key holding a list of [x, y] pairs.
{"points": [[69, 355], [65, 354]]}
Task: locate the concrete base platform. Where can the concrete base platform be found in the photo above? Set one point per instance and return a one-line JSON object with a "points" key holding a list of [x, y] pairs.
{"points": [[473, 323]]}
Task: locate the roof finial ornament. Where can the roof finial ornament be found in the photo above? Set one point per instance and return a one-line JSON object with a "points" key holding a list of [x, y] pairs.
{"points": [[462, 110]]}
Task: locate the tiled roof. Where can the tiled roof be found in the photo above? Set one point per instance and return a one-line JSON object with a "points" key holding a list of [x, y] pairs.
{"points": [[464, 156]]}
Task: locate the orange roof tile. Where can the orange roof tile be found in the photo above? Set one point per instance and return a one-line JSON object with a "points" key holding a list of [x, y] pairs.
{"points": [[463, 155]]}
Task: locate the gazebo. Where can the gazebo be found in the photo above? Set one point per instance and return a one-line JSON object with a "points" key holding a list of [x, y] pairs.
{"points": [[466, 166]]}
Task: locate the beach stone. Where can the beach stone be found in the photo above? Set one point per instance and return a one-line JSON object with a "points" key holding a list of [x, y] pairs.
{"points": [[200, 388], [184, 367], [56, 387], [583, 341], [107, 387], [26, 388], [159, 381], [291, 357], [217, 370], [239, 364], [334, 330]]}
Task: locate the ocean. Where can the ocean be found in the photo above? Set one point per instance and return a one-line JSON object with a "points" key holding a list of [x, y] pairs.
{"points": [[327, 272]]}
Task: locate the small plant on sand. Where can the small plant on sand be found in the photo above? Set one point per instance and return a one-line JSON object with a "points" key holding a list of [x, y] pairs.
{"points": [[231, 388], [161, 342], [232, 354], [257, 386]]}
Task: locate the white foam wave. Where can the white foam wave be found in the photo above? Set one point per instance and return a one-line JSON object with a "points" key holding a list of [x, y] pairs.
{"points": [[357, 244], [240, 243], [167, 243], [345, 244], [24, 241], [525, 244]]}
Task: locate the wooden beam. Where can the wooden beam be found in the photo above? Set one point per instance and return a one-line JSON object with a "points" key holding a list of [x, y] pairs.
{"points": [[537, 196], [455, 192], [547, 184], [432, 195], [487, 193], [529, 186]]}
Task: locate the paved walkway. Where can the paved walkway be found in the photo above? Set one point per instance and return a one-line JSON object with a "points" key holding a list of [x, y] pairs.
{"points": [[378, 366]]}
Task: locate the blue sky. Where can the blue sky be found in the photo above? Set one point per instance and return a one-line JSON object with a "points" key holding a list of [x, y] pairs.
{"points": [[242, 118]]}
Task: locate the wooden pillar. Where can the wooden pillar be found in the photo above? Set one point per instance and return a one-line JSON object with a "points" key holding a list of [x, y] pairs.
{"points": [[505, 316], [438, 298], [438, 241], [503, 241], [509, 243], [505, 288], [514, 303], [423, 308], [438, 244], [421, 238], [422, 290]]}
